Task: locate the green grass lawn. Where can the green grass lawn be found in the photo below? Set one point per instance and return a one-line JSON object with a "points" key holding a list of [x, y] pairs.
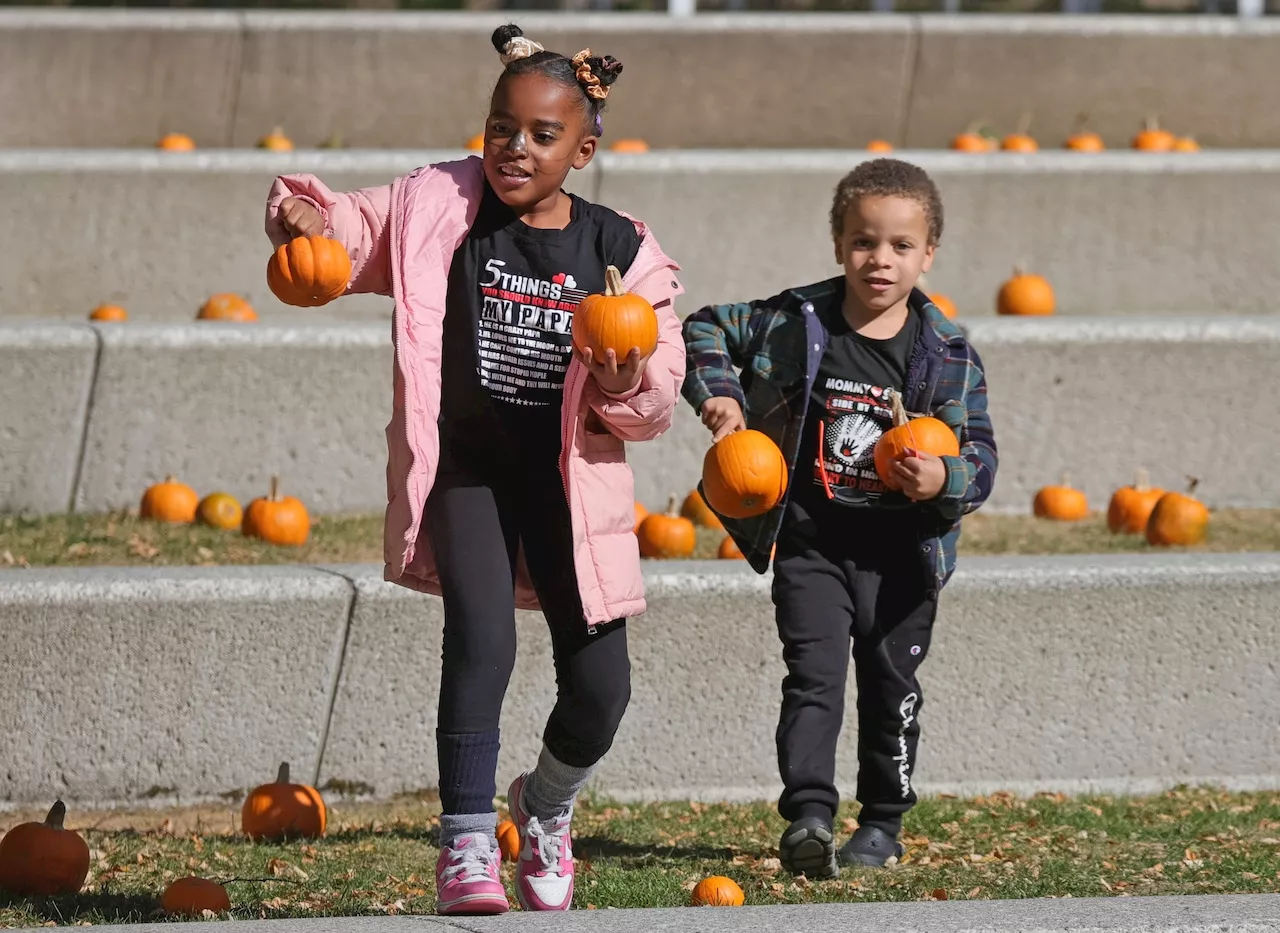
{"points": [[123, 539], [378, 858]]}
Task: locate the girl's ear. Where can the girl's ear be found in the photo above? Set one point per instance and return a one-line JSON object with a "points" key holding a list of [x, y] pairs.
{"points": [[586, 152]]}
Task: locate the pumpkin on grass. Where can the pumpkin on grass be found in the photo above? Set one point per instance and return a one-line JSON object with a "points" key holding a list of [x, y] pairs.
{"points": [[43, 859], [277, 519], [1061, 503], [220, 510], [1131, 506], [616, 320], [744, 474], [226, 306], [282, 810], [1025, 294], [925, 434], [695, 509], [170, 501], [667, 535], [1178, 519], [192, 896], [717, 891], [108, 313], [508, 840], [309, 271]]}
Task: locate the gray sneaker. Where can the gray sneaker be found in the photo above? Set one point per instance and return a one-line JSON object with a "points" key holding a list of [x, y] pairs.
{"points": [[808, 847], [870, 847]]}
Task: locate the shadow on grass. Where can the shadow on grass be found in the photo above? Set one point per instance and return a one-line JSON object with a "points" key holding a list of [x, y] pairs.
{"points": [[98, 908], [605, 847]]}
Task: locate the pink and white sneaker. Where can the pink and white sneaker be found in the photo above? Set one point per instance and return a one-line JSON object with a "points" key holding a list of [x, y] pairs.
{"points": [[544, 872], [467, 880]]}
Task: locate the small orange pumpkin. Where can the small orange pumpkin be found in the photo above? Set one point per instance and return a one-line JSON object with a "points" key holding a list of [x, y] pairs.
{"points": [[170, 501], [191, 897], [1185, 144], [43, 859], [220, 510], [1153, 139], [1178, 519], [1062, 503], [641, 514], [974, 140], [309, 271], [1130, 506], [1019, 142], [945, 305], [744, 474], [508, 840], [277, 519], [1084, 142], [925, 434], [617, 320], [108, 313], [475, 143], [176, 142], [667, 535], [1025, 294], [729, 550], [276, 141], [226, 306], [717, 891], [629, 145], [281, 810], [695, 509], [879, 145]]}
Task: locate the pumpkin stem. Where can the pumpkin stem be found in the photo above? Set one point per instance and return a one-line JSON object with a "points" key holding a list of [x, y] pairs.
{"points": [[1082, 120], [1151, 123], [170, 478], [1192, 483], [282, 776], [898, 409], [1024, 124], [1065, 479], [613, 282], [275, 489], [1141, 480], [57, 813]]}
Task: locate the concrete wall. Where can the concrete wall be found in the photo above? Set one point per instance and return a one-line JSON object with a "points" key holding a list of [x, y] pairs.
{"points": [[1044, 674], [776, 81], [224, 406], [1114, 232]]}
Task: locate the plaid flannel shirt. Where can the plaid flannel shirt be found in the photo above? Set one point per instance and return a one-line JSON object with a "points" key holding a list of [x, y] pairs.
{"points": [[778, 343]]}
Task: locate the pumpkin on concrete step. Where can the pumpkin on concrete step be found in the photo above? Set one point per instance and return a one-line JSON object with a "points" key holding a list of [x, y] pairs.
{"points": [[277, 519], [945, 305], [1025, 294], [309, 271], [276, 141], [192, 896], [508, 840], [170, 501], [43, 859], [475, 143], [629, 145], [1178, 519], [879, 145], [108, 313], [667, 534], [641, 514], [744, 474], [1084, 142], [1185, 144], [1062, 503], [1131, 506], [226, 306], [729, 550], [924, 434], [973, 139], [616, 320], [220, 510], [281, 810], [717, 891], [176, 142], [1151, 138], [695, 509]]}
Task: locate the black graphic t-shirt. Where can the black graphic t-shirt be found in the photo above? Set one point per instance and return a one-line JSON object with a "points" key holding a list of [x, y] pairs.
{"points": [[513, 290]]}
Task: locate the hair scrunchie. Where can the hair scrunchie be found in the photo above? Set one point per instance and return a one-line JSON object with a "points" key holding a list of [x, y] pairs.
{"points": [[587, 78], [518, 48]]}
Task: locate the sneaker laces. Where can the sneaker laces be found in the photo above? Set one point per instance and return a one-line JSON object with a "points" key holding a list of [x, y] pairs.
{"points": [[548, 845], [471, 862]]}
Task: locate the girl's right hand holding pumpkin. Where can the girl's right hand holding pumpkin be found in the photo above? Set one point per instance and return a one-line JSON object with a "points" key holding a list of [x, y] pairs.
{"points": [[722, 416], [301, 218]]}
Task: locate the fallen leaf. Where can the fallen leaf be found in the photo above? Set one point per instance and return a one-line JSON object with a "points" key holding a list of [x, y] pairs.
{"points": [[939, 894], [7, 556], [282, 869], [974, 892], [142, 548], [1248, 876]]}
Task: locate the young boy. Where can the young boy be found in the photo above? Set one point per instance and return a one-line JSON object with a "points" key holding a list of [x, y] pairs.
{"points": [[854, 559]]}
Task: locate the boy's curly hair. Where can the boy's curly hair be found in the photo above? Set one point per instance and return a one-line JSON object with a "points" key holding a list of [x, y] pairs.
{"points": [[888, 178]]}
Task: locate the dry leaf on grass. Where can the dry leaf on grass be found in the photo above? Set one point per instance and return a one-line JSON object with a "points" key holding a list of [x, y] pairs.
{"points": [[282, 869], [142, 548]]}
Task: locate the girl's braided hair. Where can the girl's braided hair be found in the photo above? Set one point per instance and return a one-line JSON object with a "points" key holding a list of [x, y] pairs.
{"points": [[593, 75]]}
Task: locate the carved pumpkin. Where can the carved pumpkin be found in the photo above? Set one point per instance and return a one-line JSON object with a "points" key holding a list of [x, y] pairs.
{"points": [[667, 535], [744, 474], [309, 271], [176, 142], [1025, 294], [630, 145], [227, 307], [945, 305], [1062, 503], [695, 509], [276, 141], [282, 810], [1178, 519], [617, 320], [1131, 506], [43, 859], [1153, 139], [509, 840], [108, 313], [476, 143], [717, 891], [170, 501], [220, 510], [729, 550], [277, 519], [191, 897], [879, 145], [925, 434]]}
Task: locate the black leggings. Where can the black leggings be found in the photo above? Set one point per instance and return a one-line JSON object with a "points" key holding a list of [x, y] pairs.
{"points": [[477, 525]]}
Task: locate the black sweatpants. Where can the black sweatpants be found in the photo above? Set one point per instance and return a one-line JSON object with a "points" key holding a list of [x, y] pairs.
{"points": [[477, 523], [878, 596]]}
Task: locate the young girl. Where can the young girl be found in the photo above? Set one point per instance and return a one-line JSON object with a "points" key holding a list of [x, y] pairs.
{"points": [[507, 480]]}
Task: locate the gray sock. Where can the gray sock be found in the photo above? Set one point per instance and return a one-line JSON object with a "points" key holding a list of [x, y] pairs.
{"points": [[554, 786], [453, 825]]}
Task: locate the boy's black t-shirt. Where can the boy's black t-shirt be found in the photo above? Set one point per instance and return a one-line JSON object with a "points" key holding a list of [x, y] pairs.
{"points": [[507, 339]]}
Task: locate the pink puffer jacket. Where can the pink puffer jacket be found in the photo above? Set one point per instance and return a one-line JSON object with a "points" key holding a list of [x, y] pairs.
{"points": [[401, 238]]}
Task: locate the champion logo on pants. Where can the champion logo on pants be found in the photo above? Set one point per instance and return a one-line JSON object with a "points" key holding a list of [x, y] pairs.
{"points": [[907, 710]]}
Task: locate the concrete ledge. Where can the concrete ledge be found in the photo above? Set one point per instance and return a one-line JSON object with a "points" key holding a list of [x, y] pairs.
{"points": [[167, 684], [1072, 674], [1109, 230]]}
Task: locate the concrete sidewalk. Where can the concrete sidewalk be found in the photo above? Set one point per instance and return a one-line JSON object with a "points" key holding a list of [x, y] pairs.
{"points": [[1191, 914]]}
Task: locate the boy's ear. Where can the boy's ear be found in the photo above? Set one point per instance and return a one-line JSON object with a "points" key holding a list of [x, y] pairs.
{"points": [[835, 248], [928, 257], [586, 152]]}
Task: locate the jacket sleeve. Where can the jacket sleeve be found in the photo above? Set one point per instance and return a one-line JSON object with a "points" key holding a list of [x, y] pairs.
{"points": [[356, 219], [716, 338], [971, 475]]}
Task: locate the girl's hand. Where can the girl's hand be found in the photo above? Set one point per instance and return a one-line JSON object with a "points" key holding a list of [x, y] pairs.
{"points": [[921, 475], [614, 377], [300, 218]]}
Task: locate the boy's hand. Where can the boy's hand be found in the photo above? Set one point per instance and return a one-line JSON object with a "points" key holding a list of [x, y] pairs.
{"points": [[300, 218], [722, 416], [921, 475], [614, 377]]}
